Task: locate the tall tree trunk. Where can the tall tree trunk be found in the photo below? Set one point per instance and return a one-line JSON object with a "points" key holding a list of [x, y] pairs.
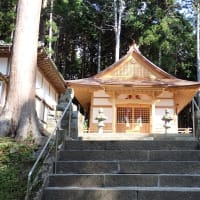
{"points": [[50, 28], [198, 47], [19, 116], [99, 55], [118, 11], [159, 57]]}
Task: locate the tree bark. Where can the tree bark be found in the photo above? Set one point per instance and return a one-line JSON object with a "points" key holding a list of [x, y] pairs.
{"points": [[198, 48], [50, 28], [118, 11], [19, 117], [99, 55]]}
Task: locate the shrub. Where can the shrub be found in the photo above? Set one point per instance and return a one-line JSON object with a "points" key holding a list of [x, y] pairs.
{"points": [[16, 159]]}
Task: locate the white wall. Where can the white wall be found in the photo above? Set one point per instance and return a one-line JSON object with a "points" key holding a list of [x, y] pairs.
{"points": [[160, 108], [100, 93], [164, 101], [108, 112], [45, 91], [4, 65], [3, 70], [102, 100], [47, 97]]}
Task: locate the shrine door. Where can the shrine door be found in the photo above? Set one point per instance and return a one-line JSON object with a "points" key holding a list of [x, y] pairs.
{"points": [[133, 118]]}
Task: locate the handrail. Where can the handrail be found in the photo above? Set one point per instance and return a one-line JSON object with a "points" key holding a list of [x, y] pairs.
{"points": [[194, 104], [44, 148]]}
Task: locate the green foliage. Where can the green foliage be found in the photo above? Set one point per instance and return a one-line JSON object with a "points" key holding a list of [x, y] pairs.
{"points": [[164, 34], [7, 19], [169, 40], [15, 162], [54, 31]]}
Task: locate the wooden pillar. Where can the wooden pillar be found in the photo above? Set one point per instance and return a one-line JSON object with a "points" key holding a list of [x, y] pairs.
{"points": [[91, 113], [153, 114], [114, 113]]}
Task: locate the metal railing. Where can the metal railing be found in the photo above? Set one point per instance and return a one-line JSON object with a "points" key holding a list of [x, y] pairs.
{"points": [[194, 105], [53, 143]]}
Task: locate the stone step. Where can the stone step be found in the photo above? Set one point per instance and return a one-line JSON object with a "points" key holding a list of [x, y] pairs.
{"points": [[126, 170], [128, 167], [121, 193], [134, 136], [124, 180], [131, 145], [134, 155]]}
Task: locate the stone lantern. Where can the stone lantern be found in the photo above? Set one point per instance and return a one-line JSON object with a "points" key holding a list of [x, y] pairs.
{"points": [[166, 118], [100, 120]]}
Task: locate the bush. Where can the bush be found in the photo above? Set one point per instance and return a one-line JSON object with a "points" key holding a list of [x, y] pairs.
{"points": [[16, 159]]}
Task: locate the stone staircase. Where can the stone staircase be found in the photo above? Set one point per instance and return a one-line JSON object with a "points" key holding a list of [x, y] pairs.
{"points": [[126, 170]]}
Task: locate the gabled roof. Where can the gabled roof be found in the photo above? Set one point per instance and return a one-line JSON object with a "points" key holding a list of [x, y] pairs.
{"points": [[133, 66], [134, 72], [45, 65]]}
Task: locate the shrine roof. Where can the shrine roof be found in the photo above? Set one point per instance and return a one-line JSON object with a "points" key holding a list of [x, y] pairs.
{"points": [[133, 70], [134, 73], [126, 83]]}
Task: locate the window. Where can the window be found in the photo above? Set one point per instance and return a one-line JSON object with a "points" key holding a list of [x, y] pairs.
{"points": [[124, 114], [133, 118], [143, 114]]}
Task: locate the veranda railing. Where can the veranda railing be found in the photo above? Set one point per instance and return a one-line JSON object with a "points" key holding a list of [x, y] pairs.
{"points": [[50, 147]]}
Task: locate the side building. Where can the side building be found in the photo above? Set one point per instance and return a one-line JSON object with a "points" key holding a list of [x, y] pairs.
{"points": [[48, 87]]}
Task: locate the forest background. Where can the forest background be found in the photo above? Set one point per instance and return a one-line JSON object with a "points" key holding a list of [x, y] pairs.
{"points": [[79, 34]]}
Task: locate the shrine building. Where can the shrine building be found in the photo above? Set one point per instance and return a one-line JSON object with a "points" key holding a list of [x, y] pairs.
{"points": [[134, 94]]}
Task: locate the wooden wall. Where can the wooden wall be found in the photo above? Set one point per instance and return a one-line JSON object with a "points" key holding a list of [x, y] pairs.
{"points": [[158, 106]]}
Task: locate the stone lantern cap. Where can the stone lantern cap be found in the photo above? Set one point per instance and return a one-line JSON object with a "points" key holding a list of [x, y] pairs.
{"points": [[100, 117], [167, 117]]}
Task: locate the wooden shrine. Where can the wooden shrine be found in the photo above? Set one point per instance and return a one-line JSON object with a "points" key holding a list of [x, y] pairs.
{"points": [[134, 94]]}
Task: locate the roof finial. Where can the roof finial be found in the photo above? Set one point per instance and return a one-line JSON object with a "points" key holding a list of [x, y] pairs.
{"points": [[133, 47]]}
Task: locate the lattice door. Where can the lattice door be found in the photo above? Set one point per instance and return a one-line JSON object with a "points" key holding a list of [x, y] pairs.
{"points": [[135, 118]]}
